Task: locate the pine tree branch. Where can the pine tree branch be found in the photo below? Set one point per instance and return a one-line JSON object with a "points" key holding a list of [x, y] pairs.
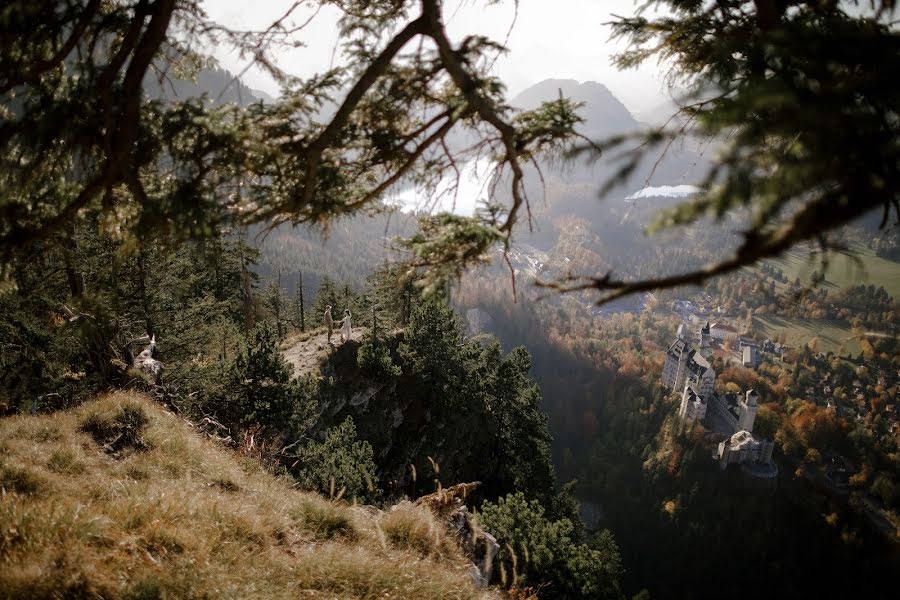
{"points": [[42, 66], [807, 223], [376, 69], [485, 109]]}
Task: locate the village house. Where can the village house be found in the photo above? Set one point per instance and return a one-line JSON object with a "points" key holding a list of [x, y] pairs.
{"points": [[723, 331]]}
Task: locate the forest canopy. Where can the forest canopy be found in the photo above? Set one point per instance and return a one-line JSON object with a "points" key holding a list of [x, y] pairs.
{"points": [[801, 95]]}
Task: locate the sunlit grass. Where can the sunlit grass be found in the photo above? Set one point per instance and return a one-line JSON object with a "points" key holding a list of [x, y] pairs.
{"points": [[120, 499]]}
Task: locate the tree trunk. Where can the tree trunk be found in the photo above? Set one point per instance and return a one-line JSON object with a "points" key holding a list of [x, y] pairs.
{"points": [[302, 308], [246, 291], [73, 276], [277, 306], [142, 288]]}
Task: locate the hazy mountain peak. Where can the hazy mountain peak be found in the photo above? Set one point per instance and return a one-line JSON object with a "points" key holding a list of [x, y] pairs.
{"points": [[219, 85], [604, 114]]}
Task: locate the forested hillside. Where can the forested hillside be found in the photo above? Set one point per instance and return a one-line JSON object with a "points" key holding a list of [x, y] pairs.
{"points": [[654, 484], [408, 408], [392, 332]]}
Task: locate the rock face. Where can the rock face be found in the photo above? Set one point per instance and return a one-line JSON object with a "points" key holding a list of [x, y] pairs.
{"points": [[479, 546], [479, 321]]}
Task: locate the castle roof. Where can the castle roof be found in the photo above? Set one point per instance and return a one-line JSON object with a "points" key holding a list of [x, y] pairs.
{"points": [[696, 364], [693, 396], [676, 349]]}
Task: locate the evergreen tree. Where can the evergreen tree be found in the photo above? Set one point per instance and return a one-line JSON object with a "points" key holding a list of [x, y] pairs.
{"points": [[799, 90], [341, 464], [261, 391], [327, 295], [432, 345], [187, 166], [299, 317], [274, 299], [394, 294], [545, 554], [501, 387]]}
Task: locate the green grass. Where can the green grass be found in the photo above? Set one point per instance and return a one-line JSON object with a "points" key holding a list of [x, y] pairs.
{"points": [[861, 267], [833, 336]]}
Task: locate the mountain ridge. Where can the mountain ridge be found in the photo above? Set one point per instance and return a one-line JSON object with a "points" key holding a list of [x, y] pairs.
{"points": [[603, 112]]}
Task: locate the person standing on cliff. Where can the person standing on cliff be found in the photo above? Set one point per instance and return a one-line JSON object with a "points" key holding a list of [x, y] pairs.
{"points": [[329, 322], [345, 327]]}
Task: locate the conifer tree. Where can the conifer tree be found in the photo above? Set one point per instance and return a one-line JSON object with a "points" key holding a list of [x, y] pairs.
{"points": [[327, 295], [299, 320], [803, 98], [89, 139], [261, 389]]}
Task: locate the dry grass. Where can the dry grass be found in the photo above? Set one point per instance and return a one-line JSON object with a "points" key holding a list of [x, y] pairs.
{"points": [[120, 499], [413, 528], [296, 337]]}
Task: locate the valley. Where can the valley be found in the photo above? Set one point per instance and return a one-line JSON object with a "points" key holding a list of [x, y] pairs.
{"points": [[623, 284]]}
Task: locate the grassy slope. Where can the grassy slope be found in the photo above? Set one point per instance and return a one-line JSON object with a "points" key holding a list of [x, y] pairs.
{"points": [[170, 514], [843, 271], [834, 336]]}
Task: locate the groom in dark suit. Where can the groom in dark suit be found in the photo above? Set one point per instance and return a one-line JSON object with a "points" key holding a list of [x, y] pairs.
{"points": [[329, 322]]}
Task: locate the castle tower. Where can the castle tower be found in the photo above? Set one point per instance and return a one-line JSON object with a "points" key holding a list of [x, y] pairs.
{"points": [[707, 383], [749, 405], [705, 336], [693, 407]]}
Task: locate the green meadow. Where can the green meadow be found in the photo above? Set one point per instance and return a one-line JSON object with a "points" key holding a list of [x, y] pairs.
{"points": [[833, 336], [859, 266]]}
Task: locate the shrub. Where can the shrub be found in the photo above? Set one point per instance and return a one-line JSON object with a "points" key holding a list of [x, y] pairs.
{"points": [[341, 465], [545, 554], [374, 358], [262, 391]]}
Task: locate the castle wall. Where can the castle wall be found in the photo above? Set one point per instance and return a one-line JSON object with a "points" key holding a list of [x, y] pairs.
{"points": [[721, 409]]}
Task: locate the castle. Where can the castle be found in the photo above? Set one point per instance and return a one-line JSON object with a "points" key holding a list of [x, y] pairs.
{"points": [[684, 367], [685, 370]]}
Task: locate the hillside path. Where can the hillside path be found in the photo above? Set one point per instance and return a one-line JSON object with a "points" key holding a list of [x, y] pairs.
{"points": [[307, 354]]}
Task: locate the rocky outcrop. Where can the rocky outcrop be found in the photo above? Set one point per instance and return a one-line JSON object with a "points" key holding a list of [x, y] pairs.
{"points": [[480, 547]]}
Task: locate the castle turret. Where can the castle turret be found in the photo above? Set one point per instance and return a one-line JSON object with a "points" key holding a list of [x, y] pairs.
{"points": [[705, 336], [749, 405], [693, 406]]}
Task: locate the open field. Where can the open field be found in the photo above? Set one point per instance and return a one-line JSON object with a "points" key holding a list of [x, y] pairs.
{"points": [[834, 336], [862, 267]]}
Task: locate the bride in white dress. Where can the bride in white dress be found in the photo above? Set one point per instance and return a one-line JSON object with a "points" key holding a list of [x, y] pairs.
{"points": [[345, 326]]}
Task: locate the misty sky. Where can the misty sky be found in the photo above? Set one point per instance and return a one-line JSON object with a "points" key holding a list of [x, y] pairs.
{"points": [[550, 39]]}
